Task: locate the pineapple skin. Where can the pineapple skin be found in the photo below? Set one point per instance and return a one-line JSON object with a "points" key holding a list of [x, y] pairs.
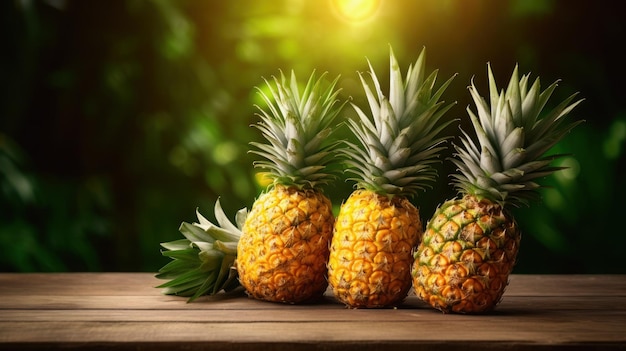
{"points": [[467, 252], [372, 250], [284, 247]]}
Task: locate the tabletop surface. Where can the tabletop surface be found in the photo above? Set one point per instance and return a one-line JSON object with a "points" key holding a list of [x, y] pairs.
{"points": [[124, 311]]}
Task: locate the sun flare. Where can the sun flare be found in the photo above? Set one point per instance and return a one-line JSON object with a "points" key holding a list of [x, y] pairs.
{"points": [[355, 11]]}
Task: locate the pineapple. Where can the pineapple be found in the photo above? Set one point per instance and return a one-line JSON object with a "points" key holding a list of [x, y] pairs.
{"points": [[283, 249], [378, 227], [471, 243], [203, 262]]}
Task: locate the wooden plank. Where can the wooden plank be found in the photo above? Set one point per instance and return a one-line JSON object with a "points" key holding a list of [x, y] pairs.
{"points": [[114, 284], [125, 311], [566, 285], [143, 284], [507, 330], [540, 311], [510, 304], [319, 345]]}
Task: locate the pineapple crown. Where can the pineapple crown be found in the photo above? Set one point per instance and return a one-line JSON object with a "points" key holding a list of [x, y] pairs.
{"points": [[402, 139], [513, 136], [203, 262], [297, 127]]}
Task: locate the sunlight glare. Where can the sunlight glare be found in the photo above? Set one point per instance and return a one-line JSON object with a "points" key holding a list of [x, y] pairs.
{"points": [[355, 11]]}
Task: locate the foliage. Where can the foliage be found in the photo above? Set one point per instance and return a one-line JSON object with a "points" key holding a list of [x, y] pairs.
{"points": [[119, 118]]}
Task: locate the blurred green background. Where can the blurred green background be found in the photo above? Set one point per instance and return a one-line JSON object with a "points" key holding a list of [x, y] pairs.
{"points": [[119, 118]]}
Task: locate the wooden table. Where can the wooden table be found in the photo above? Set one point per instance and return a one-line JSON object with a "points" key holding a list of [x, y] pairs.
{"points": [[87, 311]]}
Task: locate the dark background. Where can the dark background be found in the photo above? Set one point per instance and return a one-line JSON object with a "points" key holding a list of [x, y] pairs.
{"points": [[119, 118]]}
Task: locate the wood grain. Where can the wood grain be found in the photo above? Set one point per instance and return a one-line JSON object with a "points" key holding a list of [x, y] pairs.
{"points": [[124, 311]]}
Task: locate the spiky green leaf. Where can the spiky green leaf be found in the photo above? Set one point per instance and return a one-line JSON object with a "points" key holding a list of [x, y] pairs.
{"points": [[399, 138], [202, 262], [296, 125], [513, 134]]}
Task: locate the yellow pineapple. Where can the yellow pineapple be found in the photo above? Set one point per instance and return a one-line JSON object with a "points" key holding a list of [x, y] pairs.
{"points": [[470, 245], [378, 227], [283, 249]]}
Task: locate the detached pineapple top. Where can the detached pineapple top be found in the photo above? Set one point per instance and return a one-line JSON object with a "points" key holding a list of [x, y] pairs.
{"points": [[202, 261], [297, 126], [513, 135], [401, 140]]}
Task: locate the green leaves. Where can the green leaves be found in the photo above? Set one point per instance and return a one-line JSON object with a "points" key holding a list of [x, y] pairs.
{"points": [[203, 262], [402, 137], [296, 126], [513, 135]]}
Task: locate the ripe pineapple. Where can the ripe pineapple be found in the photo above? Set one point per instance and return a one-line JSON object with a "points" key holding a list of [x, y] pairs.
{"points": [[471, 243], [203, 262], [377, 227], [283, 250]]}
